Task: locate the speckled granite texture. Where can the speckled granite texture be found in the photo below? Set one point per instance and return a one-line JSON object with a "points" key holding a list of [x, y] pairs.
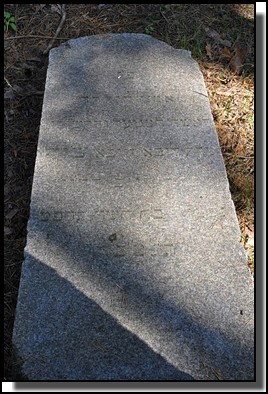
{"points": [[133, 268]]}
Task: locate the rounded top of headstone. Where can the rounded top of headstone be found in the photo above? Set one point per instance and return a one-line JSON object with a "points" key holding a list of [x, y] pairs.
{"points": [[118, 40]]}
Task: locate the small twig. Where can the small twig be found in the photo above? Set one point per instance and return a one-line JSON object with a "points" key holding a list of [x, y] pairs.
{"points": [[36, 36], [7, 82], [34, 93], [163, 15], [200, 93], [216, 373], [58, 29]]}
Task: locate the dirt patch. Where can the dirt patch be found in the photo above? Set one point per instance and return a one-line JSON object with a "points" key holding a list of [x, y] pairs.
{"points": [[221, 39]]}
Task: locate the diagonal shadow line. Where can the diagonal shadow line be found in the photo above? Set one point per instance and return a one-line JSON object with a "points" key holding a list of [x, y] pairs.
{"points": [[57, 347], [223, 352], [147, 306]]}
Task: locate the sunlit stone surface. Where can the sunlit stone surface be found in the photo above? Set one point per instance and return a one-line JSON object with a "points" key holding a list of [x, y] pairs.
{"points": [[133, 268]]}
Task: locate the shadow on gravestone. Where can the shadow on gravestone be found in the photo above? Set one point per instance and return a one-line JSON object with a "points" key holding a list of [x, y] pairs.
{"points": [[139, 303], [131, 206], [61, 348]]}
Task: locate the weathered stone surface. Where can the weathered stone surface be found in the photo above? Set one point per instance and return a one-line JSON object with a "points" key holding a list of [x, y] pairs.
{"points": [[133, 268]]}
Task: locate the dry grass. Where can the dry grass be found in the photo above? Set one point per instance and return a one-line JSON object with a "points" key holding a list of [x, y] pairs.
{"points": [[214, 34]]}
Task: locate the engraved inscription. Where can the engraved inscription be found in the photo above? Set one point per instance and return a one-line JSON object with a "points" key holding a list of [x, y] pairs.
{"points": [[106, 214], [104, 153], [156, 250], [153, 98], [120, 246], [150, 122], [60, 215], [144, 215], [154, 152]]}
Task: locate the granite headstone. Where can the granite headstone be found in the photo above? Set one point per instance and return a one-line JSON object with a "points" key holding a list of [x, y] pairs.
{"points": [[133, 267]]}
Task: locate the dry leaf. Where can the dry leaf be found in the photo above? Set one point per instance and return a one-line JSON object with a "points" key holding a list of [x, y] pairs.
{"points": [[208, 50], [212, 34], [249, 230], [237, 61], [224, 93], [215, 36], [250, 242], [226, 53], [227, 43]]}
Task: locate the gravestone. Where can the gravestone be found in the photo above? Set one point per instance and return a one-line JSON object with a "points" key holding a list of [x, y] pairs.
{"points": [[133, 267]]}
